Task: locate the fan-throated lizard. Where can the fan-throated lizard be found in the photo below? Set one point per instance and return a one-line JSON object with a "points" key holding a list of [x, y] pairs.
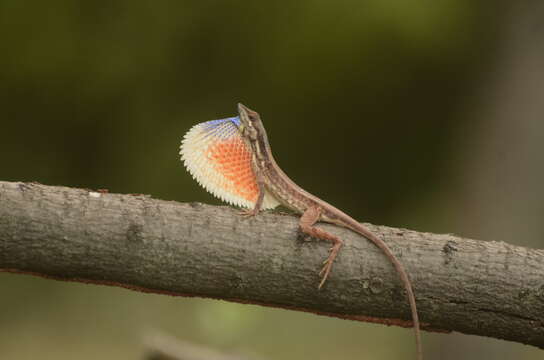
{"points": [[231, 158]]}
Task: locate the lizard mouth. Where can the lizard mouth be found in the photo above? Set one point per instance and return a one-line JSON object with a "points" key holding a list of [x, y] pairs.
{"points": [[242, 107]]}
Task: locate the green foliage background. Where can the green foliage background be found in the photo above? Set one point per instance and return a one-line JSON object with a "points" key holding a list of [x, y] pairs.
{"points": [[363, 102]]}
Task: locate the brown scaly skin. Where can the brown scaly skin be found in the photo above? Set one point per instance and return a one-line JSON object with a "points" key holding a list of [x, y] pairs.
{"points": [[272, 179]]}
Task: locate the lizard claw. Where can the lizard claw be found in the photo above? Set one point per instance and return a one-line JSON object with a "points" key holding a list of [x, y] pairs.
{"points": [[324, 273]]}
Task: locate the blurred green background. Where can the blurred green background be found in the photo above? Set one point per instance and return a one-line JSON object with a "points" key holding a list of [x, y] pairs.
{"points": [[419, 114]]}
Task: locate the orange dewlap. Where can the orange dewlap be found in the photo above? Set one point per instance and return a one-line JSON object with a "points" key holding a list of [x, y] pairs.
{"points": [[216, 155], [232, 159]]}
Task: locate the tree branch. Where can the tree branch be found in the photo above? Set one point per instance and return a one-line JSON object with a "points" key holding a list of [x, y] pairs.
{"points": [[475, 287]]}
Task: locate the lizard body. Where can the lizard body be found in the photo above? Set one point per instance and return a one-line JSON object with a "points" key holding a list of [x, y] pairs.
{"points": [[249, 153]]}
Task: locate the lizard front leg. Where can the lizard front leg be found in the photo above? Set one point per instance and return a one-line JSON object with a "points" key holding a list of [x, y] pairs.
{"points": [[306, 223], [258, 202]]}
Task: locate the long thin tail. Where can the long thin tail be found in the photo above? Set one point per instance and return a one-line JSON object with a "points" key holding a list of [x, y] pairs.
{"points": [[357, 227]]}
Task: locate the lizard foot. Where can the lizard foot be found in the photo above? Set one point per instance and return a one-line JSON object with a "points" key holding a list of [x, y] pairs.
{"points": [[327, 267], [247, 213]]}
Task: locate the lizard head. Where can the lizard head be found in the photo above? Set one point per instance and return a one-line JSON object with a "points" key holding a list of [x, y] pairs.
{"points": [[251, 125]]}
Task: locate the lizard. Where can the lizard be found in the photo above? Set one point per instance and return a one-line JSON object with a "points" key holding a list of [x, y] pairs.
{"points": [[232, 159]]}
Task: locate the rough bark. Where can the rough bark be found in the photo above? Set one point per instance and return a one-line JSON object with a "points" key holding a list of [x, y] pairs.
{"points": [[475, 287]]}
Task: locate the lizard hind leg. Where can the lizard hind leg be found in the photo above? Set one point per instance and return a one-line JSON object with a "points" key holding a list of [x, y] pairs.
{"points": [[306, 223]]}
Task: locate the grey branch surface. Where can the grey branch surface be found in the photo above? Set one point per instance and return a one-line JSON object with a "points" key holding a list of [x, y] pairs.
{"points": [[474, 287]]}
